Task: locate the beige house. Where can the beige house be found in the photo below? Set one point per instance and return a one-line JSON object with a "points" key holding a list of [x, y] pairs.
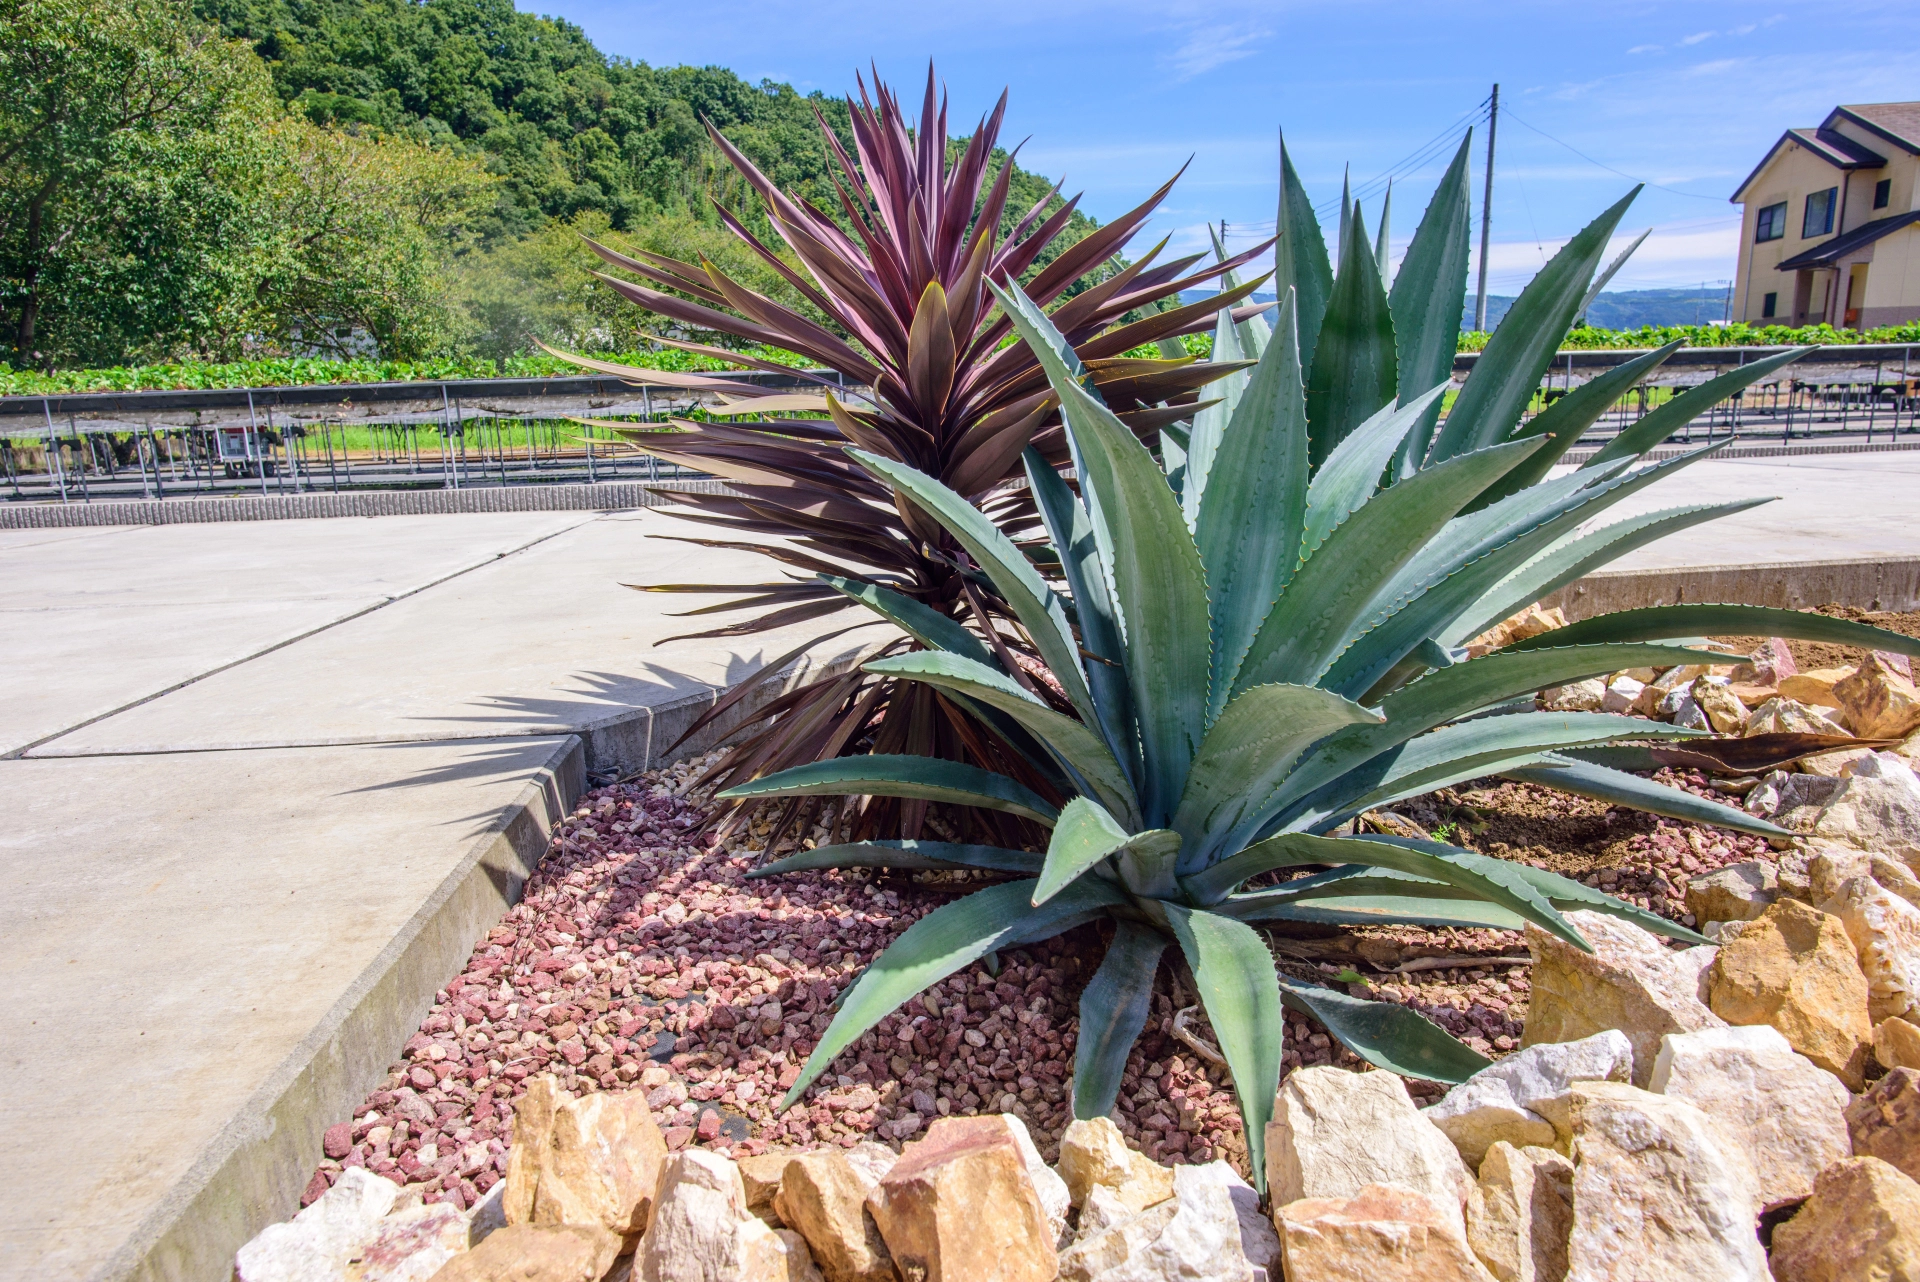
{"points": [[1831, 228]]}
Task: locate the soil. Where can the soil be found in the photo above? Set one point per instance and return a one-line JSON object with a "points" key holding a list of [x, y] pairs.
{"points": [[1818, 654], [640, 959]]}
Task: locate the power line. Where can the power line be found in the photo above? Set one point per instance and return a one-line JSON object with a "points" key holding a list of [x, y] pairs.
{"points": [[1609, 168], [1414, 160]]}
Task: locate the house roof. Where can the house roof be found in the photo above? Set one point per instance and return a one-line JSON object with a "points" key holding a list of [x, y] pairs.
{"points": [[1825, 255], [1896, 122], [1830, 145]]}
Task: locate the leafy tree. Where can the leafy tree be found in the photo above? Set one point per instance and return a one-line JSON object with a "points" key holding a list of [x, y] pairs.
{"points": [[119, 163], [366, 230]]}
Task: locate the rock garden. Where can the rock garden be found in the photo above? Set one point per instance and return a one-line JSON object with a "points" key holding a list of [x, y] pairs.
{"points": [[596, 1092], [1223, 867]]}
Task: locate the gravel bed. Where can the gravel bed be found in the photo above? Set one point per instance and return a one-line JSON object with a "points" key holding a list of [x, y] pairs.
{"points": [[641, 958]]}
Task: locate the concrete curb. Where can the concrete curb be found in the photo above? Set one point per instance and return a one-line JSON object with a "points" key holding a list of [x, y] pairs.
{"points": [[254, 1172], [1868, 583], [608, 496]]}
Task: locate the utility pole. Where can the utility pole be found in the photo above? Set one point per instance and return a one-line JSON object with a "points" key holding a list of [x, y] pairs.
{"points": [[1486, 217]]}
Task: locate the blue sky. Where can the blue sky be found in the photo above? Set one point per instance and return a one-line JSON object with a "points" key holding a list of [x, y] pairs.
{"points": [[1117, 95]]}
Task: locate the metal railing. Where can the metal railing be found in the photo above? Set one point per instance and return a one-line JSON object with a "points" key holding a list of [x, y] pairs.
{"points": [[90, 447]]}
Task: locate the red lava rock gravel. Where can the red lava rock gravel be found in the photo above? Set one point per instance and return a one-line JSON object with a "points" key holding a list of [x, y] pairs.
{"points": [[640, 958]]}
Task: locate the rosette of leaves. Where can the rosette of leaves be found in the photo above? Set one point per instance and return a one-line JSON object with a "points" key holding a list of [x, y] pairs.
{"points": [[1256, 642], [901, 273]]}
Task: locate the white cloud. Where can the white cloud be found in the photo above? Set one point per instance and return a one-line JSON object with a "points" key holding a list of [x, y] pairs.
{"points": [[1686, 252], [1697, 37], [1214, 46], [1644, 49]]}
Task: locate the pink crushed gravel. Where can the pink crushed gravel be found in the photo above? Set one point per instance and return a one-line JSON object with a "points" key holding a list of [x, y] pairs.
{"points": [[642, 959]]}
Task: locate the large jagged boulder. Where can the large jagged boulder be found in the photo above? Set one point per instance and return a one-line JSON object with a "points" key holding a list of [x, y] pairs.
{"points": [[1658, 1194], [702, 1230], [593, 1160], [1876, 808], [960, 1206], [1496, 1103], [536, 1253], [1885, 1121], [1210, 1230], [1885, 930], [1334, 1133], [1379, 1233], [1862, 1224], [1785, 1114], [316, 1244], [823, 1197], [1520, 1216], [1629, 982], [1795, 970], [1094, 1154], [1879, 701]]}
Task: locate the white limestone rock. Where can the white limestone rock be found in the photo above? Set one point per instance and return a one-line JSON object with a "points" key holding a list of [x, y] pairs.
{"points": [[701, 1230], [410, 1245], [1496, 1103], [1196, 1236], [1054, 1198], [1521, 1214], [1876, 808], [1885, 930], [316, 1244], [1630, 982], [1659, 1195], [1786, 1114], [1257, 1238], [1333, 1133]]}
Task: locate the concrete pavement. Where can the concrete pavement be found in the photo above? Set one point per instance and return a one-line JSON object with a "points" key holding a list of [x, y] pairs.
{"points": [[265, 786]]}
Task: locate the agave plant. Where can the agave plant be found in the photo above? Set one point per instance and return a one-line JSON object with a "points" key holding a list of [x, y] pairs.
{"points": [[902, 278], [1259, 637]]}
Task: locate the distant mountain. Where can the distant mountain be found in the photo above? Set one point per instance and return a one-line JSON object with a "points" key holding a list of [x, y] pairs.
{"points": [[1630, 308], [1613, 309]]}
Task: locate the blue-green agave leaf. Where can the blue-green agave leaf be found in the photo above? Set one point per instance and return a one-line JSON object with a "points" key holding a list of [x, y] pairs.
{"points": [[1240, 990], [1664, 420], [1427, 296], [947, 939], [1386, 1035], [1506, 374], [891, 775], [1354, 371], [1032, 601], [1248, 530], [1113, 1010], [932, 856], [1300, 259], [1621, 789], [1078, 746]]}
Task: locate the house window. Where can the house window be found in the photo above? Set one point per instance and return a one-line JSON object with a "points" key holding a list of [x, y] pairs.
{"points": [[1882, 193], [1818, 220], [1771, 224], [1770, 305]]}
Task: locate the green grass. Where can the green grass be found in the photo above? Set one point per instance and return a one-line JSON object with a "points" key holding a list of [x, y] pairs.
{"points": [[196, 375], [193, 375]]}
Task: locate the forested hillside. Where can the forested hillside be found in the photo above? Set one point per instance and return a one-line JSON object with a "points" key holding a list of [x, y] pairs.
{"points": [[370, 177]]}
